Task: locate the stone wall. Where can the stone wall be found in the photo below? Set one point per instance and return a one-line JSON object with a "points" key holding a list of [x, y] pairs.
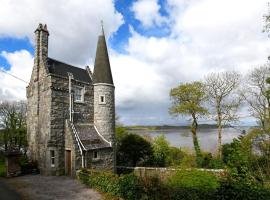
{"points": [[70, 144], [104, 113], [104, 161]]}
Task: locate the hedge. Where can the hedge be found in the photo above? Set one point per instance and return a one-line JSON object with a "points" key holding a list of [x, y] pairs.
{"points": [[185, 185]]}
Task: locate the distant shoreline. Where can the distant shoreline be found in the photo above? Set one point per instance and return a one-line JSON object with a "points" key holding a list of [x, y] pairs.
{"points": [[162, 127]]}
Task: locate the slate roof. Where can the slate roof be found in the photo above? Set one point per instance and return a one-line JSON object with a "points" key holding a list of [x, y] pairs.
{"points": [[90, 138], [62, 69], [102, 70]]}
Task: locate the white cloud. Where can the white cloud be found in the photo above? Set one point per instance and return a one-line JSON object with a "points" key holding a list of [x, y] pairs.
{"points": [[206, 36], [73, 25], [21, 63], [147, 12]]}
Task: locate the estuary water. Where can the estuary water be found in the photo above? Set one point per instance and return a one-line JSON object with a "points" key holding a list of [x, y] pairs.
{"points": [[181, 137]]}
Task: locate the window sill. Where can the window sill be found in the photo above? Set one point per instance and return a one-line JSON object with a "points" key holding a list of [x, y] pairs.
{"points": [[79, 102]]}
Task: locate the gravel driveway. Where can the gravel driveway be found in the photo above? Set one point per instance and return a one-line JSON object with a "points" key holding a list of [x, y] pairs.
{"points": [[32, 187]]}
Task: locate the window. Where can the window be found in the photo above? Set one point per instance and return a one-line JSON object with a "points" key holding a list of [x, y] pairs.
{"points": [[52, 158], [78, 94], [95, 155], [102, 99]]}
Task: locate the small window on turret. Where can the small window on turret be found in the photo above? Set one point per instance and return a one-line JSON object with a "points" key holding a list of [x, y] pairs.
{"points": [[102, 99]]}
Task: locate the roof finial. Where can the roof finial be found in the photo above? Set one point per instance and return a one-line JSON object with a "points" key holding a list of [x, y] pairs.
{"points": [[102, 29]]}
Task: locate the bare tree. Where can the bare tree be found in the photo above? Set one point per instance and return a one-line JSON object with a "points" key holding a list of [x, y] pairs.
{"points": [[256, 95], [221, 91], [13, 124]]}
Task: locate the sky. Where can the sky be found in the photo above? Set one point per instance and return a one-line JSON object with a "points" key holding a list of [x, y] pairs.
{"points": [[154, 45]]}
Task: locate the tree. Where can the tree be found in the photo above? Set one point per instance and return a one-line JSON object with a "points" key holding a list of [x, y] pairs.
{"points": [[133, 150], [221, 92], [187, 99], [256, 95], [13, 125], [161, 150]]}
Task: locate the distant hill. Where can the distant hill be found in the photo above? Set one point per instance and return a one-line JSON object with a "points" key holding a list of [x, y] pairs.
{"points": [[162, 127]]}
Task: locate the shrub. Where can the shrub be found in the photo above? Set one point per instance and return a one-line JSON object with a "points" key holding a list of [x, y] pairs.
{"points": [[194, 178], [155, 189], [175, 156], [130, 187], [192, 184], [127, 186], [231, 189], [100, 180], [161, 150], [134, 150]]}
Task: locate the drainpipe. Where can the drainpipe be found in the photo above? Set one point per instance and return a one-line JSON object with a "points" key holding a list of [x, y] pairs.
{"points": [[70, 77]]}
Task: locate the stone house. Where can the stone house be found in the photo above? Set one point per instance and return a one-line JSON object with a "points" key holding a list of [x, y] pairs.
{"points": [[70, 112]]}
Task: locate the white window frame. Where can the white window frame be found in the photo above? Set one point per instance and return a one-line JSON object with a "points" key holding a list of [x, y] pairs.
{"points": [[104, 99], [82, 94], [97, 155], [52, 158]]}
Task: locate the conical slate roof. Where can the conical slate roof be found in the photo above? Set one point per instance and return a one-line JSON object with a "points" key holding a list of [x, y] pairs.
{"points": [[102, 70]]}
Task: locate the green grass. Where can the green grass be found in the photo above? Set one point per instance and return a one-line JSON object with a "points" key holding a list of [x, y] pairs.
{"points": [[2, 169]]}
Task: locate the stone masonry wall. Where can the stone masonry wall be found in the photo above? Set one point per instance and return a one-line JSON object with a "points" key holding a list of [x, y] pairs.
{"points": [[103, 162], [104, 113], [70, 144], [60, 112]]}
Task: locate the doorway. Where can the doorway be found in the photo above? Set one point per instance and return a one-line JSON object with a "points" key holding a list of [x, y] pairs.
{"points": [[68, 162]]}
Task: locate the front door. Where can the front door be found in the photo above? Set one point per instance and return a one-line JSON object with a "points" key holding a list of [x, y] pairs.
{"points": [[68, 162]]}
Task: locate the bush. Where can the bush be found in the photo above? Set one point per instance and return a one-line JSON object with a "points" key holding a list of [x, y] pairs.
{"points": [[184, 185], [100, 180], [126, 186], [130, 187], [194, 179], [238, 190]]}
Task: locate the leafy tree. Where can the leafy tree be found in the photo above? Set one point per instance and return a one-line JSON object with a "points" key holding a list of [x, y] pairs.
{"points": [[175, 157], [161, 149], [13, 124], [133, 150], [187, 99], [222, 96]]}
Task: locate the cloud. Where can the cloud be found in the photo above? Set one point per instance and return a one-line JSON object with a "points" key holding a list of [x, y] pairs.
{"points": [[21, 63], [73, 25], [147, 12], [206, 36]]}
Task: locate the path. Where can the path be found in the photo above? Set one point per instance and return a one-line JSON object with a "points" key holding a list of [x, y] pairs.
{"points": [[6, 192], [32, 187]]}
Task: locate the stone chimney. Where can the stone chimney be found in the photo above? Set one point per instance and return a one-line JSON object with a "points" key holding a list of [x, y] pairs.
{"points": [[41, 49]]}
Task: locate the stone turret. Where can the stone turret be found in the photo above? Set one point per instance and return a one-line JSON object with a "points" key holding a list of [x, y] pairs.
{"points": [[104, 103]]}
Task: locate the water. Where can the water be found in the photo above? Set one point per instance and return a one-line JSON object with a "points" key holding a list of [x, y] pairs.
{"points": [[180, 137]]}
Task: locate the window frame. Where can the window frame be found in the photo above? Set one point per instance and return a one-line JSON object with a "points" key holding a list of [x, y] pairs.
{"points": [[97, 155], [82, 94], [104, 99], [52, 158]]}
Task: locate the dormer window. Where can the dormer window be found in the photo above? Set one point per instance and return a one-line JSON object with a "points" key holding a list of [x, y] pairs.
{"points": [[78, 94], [102, 99]]}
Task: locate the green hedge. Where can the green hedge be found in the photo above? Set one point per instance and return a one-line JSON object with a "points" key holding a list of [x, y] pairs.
{"points": [[126, 186], [185, 185]]}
